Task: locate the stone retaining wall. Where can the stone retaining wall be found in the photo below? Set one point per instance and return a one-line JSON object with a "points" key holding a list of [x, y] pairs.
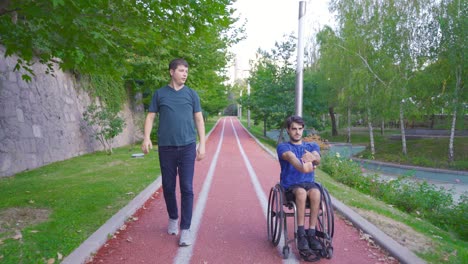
{"points": [[41, 121]]}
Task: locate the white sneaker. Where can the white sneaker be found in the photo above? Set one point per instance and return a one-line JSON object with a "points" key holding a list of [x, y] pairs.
{"points": [[173, 228], [185, 238]]}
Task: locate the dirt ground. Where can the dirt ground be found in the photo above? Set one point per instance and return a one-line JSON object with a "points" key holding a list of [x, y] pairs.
{"points": [[13, 220], [400, 232]]}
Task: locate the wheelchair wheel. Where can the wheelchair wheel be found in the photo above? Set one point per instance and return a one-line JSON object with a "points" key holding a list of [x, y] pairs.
{"points": [[275, 215], [326, 224]]}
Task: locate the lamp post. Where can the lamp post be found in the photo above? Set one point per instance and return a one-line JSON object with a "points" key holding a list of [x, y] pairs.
{"points": [[239, 108], [300, 59], [248, 110]]}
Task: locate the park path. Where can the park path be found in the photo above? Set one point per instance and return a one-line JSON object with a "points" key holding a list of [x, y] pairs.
{"points": [[229, 221]]}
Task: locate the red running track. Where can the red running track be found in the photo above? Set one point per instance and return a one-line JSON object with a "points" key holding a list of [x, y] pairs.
{"points": [[231, 186]]}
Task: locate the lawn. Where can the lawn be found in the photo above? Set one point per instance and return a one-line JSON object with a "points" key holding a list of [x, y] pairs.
{"points": [[425, 152]]}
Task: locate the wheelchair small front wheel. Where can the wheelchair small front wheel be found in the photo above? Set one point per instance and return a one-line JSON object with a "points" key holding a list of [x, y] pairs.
{"points": [[285, 252], [329, 253]]}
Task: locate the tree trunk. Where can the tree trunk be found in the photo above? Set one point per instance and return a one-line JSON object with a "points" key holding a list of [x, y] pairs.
{"points": [[333, 121], [402, 129], [371, 132], [280, 137], [432, 121], [382, 127], [451, 156], [264, 126], [348, 138], [458, 75]]}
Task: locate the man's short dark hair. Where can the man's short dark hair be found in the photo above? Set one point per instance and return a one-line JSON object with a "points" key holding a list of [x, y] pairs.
{"points": [[294, 119], [176, 62]]}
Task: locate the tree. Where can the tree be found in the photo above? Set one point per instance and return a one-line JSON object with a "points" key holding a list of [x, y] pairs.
{"points": [[451, 52], [124, 41], [272, 85], [104, 124]]}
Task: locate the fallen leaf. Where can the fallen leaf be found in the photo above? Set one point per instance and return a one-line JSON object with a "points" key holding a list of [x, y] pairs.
{"points": [[33, 231], [51, 261], [59, 256], [31, 201], [18, 236], [123, 227]]}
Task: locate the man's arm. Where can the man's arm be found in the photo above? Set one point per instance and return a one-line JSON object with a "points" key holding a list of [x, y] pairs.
{"points": [[147, 145], [304, 167], [200, 124], [313, 157]]}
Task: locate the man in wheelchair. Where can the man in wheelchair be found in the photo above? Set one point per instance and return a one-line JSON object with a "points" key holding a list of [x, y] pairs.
{"points": [[298, 160]]}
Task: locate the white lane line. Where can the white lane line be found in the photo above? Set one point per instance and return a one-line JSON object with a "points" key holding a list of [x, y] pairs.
{"points": [[184, 254], [262, 198]]}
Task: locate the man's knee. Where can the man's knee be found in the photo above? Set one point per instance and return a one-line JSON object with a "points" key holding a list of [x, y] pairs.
{"points": [[314, 195], [300, 194]]}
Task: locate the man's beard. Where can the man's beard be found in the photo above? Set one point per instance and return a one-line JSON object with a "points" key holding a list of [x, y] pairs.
{"points": [[293, 140]]}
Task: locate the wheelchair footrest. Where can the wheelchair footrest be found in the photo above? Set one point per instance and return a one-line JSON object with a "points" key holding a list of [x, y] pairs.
{"points": [[310, 257]]}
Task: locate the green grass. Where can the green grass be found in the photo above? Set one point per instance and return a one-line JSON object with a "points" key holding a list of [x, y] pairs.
{"points": [[428, 152], [445, 247], [80, 194]]}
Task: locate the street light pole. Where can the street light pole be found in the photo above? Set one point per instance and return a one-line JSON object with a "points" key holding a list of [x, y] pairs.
{"points": [[300, 59], [248, 110]]}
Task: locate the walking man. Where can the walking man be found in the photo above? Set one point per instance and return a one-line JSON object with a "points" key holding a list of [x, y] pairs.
{"points": [[179, 111]]}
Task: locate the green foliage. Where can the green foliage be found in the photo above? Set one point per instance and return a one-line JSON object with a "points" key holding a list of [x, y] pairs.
{"points": [[81, 194], [104, 123], [272, 83], [107, 88], [419, 198], [112, 42]]}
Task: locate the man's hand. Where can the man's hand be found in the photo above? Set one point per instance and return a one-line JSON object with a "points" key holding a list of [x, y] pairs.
{"points": [[313, 157], [308, 157], [146, 145], [200, 152]]}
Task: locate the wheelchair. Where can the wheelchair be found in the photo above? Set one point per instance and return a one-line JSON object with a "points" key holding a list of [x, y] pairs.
{"points": [[279, 209]]}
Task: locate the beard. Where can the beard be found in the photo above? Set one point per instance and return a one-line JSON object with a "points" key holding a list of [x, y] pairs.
{"points": [[293, 140]]}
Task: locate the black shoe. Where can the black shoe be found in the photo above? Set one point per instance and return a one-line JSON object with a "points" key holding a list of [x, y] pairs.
{"points": [[314, 244], [303, 245]]}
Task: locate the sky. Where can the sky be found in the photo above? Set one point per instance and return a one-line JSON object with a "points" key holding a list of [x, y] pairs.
{"points": [[268, 21]]}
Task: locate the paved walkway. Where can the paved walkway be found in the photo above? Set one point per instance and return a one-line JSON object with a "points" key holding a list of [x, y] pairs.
{"points": [[229, 221]]}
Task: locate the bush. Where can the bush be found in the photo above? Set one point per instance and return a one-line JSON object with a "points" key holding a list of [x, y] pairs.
{"points": [[420, 198], [104, 124]]}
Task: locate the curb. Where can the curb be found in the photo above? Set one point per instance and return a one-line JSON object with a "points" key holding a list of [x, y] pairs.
{"points": [[90, 246], [403, 254], [410, 167]]}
